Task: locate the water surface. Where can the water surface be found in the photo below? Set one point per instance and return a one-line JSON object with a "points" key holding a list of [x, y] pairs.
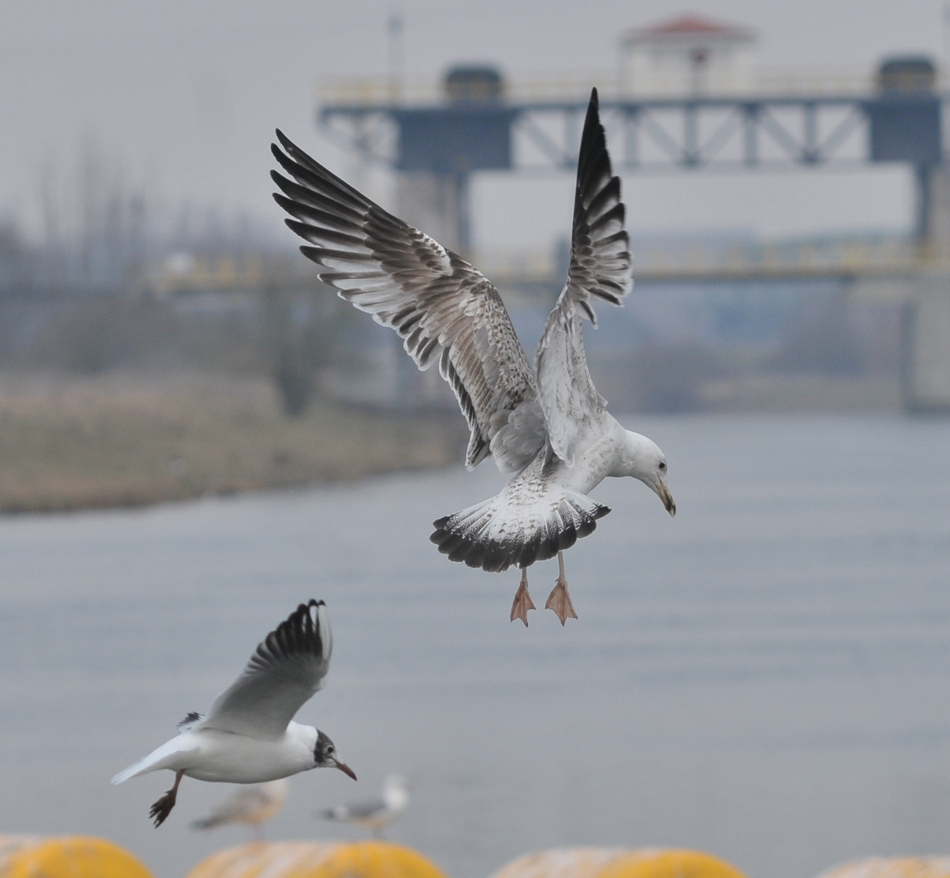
{"points": [[766, 677]]}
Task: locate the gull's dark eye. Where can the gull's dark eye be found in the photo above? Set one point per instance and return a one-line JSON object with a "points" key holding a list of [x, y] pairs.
{"points": [[663, 464]]}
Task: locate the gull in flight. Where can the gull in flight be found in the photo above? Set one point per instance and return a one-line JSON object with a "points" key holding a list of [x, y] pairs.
{"points": [[545, 424], [248, 735], [376, 813], [253, 805]]}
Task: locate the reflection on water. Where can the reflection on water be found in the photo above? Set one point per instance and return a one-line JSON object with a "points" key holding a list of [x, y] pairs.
{"points": [[765, 677]]}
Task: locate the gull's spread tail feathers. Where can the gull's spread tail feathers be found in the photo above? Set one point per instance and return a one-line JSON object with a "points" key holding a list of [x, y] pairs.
{"points": [[531, 519]]}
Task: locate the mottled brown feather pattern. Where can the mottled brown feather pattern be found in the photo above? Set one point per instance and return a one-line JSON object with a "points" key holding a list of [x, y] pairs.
{"points": [[441, 306]]}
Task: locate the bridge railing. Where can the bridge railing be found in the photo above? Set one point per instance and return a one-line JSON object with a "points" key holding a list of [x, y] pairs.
{"points": [[652, 262], [887, 257], [379, 90]]}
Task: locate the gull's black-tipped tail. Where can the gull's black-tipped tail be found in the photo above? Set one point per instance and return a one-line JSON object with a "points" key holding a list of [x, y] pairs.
{"points": [[517, 527]]}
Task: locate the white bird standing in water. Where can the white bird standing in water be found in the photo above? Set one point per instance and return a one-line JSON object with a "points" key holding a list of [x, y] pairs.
{"points": [[253, 806], [376, 813], [249, 735], [547, 424]]}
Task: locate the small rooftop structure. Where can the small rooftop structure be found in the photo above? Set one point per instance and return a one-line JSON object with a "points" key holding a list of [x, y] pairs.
{"points": [[907, 73], [474, 82], [687, 55]]}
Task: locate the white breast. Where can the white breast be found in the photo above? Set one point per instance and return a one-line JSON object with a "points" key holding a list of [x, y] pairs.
{"points": [[230, 758], [594, 456]]}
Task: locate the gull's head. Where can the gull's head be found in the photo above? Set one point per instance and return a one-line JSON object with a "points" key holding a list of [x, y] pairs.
{"points": [[396, 783], [396, 791], [641, 458], [324, 755]]}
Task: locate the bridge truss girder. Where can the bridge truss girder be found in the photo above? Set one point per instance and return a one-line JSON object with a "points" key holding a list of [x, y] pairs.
{"points": [[655, 135], [674, 134], [721, 134]]}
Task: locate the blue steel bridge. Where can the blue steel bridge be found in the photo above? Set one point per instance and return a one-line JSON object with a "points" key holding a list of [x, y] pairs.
{"points": [[437, 135]]}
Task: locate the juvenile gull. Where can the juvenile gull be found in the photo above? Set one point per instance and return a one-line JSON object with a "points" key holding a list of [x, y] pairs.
{"points": [[252, 805], [249, 735], [547, 424], [375, 814]]}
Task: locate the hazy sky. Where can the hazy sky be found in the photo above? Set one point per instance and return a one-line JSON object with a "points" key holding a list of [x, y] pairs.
{"points": [[183, 97]]}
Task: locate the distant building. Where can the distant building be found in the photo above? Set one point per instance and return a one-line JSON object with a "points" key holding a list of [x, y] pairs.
{"points": [[687, 55]]}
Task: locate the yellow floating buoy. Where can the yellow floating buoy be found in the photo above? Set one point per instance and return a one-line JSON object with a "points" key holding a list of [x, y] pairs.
{"points": [[892, 867], [23, 856], [618, 863], [301, 859]]}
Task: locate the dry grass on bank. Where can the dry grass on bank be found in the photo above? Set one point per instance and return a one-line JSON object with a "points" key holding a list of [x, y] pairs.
{"points": [[128, 442]]}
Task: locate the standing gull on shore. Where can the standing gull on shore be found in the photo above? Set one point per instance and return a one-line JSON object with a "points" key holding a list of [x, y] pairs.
{"points": [[547, 425], [249, 735], [374, 814], [253, 806]]}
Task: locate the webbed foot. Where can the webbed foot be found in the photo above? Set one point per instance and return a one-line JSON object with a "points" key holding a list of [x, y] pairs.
{"points": [[163, 807], [522, 602], [560, 599]]}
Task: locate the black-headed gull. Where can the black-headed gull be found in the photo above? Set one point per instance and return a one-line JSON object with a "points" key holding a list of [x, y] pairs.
{"points": [[248, 735], [375, 813], [546, 424], [252, 805]]}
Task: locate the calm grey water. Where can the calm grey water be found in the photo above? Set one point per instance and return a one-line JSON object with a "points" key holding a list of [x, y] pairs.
{"points": [[766, 677]]}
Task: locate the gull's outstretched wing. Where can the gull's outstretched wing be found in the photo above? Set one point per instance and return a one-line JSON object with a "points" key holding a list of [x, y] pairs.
{"points": [[600, 266], [287, 667], [441, 306]]}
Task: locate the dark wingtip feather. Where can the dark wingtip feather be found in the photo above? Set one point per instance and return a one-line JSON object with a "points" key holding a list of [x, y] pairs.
{"points": [[597, 264], [299, 632], [285, 141]]}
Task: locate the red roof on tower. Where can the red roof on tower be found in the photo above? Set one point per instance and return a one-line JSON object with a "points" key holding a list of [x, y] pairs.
{"points": [[687, 25]]}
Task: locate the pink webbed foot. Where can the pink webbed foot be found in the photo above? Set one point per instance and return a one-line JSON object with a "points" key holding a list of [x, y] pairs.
{"points": [[522, 602], [560, 599]]}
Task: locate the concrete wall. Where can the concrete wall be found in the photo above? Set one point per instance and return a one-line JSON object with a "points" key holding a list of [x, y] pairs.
{"points": [[926, 346], [430, 202]]}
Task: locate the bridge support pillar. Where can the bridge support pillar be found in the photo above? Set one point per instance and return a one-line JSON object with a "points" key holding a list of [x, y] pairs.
{"points": [[925, 379], [933, 209], [436, 204], [925, 346]]}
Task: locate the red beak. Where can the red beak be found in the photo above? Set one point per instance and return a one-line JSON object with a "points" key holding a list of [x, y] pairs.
{"points": [[346, 770]]}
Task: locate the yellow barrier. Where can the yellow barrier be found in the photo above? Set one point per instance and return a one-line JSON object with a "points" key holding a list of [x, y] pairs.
{"points": [[618, 863], [893, 867], [300, 859], [24, 856]]}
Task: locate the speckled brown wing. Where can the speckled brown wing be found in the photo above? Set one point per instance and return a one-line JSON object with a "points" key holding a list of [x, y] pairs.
{"points": [[441, 306]]}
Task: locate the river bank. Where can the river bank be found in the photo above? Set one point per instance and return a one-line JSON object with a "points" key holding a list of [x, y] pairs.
{"points": [[131, 440]]}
